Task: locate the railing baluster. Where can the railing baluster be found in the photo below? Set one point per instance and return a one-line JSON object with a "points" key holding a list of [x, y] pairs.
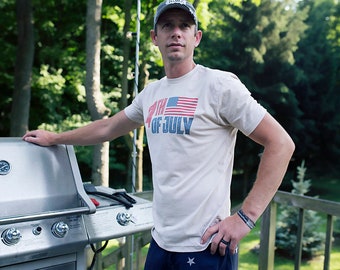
{"points": [[328, 244], [268, 232], [299, 236]]}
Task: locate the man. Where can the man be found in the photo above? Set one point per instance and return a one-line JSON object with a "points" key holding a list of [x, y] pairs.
{"points": [[191, 118]]}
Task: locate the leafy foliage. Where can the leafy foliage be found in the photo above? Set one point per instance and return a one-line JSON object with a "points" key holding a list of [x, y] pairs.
{"points": [[286, 234], [285, 51], [317, 84], [257, 43]]}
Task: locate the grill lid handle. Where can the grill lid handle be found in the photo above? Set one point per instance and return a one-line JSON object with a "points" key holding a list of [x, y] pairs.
{"points": [[45, 215]]}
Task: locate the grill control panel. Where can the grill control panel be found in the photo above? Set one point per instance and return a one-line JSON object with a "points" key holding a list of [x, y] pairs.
{"points": [[112, 221], [33, 240]]}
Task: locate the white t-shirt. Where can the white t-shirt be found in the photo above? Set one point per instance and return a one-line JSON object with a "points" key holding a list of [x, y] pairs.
{"points": [[191, 124]]}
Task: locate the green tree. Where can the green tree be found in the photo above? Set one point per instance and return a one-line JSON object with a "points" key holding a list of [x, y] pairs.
{"points": [[23, 69], [317, 85], [287, 225], [293, 71], [9, 40], [257, 41]]}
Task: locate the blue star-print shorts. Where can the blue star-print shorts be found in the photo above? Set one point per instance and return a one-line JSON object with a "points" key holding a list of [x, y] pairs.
{"points": [[160, 259]]}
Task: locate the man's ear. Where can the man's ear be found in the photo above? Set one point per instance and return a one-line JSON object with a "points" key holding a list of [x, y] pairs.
{"points": [[153, 36], [198, 37]]}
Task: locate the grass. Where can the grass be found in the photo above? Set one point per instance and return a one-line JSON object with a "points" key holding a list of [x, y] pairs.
{"points": [[248, 258], [114, 244], [326, 188]]}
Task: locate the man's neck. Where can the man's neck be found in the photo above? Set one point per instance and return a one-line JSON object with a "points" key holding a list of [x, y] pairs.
{"points": [[176, 70]]}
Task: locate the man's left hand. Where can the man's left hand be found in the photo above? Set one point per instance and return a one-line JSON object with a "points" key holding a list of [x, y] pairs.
{"points": [[228, 233]]}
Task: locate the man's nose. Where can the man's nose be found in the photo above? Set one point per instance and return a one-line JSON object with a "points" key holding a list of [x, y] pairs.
{"points": [[176, 33]]}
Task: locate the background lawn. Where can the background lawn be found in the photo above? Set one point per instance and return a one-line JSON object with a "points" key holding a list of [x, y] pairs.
{"points": [[248, 256], [325, 188]]}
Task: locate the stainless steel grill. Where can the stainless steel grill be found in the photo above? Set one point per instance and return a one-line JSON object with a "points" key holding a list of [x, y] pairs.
{"points": [[46, 217]]}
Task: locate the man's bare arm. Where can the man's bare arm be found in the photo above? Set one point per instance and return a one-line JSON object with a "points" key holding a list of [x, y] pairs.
{"points": [[278, 150], [96, 132]]}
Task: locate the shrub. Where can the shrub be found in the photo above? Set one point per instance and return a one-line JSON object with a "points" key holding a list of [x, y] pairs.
{"points": [[286, 233]]}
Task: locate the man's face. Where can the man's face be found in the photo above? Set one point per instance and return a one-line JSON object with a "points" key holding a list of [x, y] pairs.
{"points": [[176, 35]]}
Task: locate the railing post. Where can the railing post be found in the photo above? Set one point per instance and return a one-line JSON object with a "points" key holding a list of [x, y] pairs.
{"points": [[130, 251], [328, 244], [267, 238], [299, 238]]}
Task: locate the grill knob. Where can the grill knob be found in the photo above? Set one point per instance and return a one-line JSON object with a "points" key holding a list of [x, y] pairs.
{"points": [[37, 230], [124, 218], [59, 229], [11, 236]]}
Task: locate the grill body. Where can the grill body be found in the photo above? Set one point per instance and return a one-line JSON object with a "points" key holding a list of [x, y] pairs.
{"points": [[46, 217], [42, 204]]}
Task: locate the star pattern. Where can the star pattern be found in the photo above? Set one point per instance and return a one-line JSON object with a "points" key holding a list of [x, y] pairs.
{"points": [[191, 261]]}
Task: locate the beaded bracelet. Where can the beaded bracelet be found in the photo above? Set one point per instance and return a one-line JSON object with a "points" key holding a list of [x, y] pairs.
{"points": [[246, 219]]}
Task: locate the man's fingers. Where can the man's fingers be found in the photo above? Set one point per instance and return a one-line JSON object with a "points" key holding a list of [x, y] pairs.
{"points": [[223, 246], [208, 233]]}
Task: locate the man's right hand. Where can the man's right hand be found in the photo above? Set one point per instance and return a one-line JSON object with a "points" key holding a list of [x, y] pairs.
{"points": [[40, 137]]}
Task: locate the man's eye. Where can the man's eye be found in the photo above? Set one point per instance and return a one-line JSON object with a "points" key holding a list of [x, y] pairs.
{"points": [[166, 25], [185, 26]]}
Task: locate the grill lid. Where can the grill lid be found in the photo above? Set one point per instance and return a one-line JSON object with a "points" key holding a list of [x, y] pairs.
{"points": [[39, 182]]}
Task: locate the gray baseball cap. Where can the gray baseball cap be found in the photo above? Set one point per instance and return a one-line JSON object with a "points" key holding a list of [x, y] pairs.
{"points": [[169, 4]]}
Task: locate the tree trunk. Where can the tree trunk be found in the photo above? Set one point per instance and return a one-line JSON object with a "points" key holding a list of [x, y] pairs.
{"points": [[23, 69], [126, 54], [144, 77], [140, 150], [94, 98]]}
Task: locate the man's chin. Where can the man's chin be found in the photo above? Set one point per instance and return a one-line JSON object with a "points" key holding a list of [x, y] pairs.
{"points": [[175, 57]]}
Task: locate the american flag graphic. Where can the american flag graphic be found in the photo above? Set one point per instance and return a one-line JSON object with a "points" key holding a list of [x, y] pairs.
{"points": [[181, 106]]}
